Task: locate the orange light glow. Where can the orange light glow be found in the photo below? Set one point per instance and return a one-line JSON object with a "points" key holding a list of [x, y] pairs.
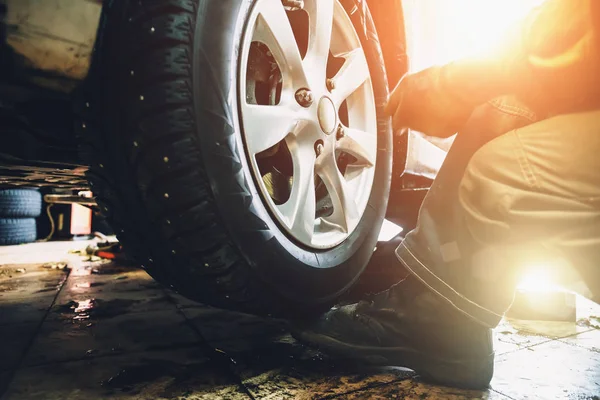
{"points": [[440, 31], [539, 278]]}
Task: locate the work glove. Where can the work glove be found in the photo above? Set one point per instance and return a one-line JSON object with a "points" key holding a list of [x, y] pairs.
{"points": [[425, 103]]}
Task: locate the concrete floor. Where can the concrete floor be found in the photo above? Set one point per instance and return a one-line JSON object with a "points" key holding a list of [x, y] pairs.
{"points": [[96, 330]]}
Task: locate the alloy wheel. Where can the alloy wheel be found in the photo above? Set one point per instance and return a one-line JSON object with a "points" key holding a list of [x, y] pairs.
{"points": [[308, 118]]}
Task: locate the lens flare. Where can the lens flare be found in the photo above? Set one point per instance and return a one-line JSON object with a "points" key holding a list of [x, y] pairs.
{"points": [[538, 278], [440, 31]]}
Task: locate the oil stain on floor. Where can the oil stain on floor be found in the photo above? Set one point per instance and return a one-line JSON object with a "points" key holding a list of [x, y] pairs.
{"points": [[73, 329]]}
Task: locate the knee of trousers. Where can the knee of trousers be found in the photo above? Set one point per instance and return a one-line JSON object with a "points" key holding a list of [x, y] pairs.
{"points": [[488, 188]]}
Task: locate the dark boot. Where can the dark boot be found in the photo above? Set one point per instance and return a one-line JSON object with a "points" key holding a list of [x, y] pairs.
{"points": [[408, 326]]}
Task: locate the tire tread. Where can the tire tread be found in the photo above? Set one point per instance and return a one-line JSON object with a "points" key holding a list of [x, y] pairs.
{"points": [[20, 203], [193, 252], [17, 231]]}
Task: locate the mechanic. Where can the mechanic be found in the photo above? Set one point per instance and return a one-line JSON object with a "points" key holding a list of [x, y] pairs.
{"points": [[521, 184]]}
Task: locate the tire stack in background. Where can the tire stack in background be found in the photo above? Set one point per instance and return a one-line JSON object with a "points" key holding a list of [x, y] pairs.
{"points": [[19, 209]]}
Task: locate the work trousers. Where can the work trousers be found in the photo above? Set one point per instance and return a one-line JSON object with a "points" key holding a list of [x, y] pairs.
{"points": [[515, 191]]}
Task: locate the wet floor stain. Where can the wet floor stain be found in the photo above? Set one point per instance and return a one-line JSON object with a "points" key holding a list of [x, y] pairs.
{"points": [[94, 308], [88, 285], [170, 374]]}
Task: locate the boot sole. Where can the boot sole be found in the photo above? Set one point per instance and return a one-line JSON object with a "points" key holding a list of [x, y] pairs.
{"points": [[467, 374]]}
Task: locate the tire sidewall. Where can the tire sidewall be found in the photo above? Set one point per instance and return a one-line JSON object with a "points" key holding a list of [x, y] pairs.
{"points": [[292, 270]]}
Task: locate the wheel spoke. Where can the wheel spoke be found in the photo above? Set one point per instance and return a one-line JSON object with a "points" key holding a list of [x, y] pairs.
{"points": [[345, 210], [300, 209], [265, 126], [279, 37], [356, 143], [353, 74], [320, 14]]}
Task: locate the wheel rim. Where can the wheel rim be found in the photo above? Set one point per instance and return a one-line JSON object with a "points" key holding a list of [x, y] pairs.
{"points": [[319, 115]]}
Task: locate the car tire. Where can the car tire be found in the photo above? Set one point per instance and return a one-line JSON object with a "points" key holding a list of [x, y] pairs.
{"points": [[160, 130], [20, 203], [17, 231]]}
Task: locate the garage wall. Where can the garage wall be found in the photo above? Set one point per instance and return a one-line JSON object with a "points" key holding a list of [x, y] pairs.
{"points": [[55, 36]]}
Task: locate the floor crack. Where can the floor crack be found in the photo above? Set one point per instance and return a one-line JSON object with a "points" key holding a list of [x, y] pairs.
{"points": [[37, 330], [220, 358], [362, 389]]}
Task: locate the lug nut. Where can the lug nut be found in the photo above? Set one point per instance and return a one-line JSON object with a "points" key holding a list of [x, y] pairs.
{"points": [[340, 132], [304, 97], [330, 84]]}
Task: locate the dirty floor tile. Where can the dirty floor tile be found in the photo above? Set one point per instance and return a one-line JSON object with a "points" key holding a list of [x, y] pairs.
{"points": [[509, 338], [126, 280], [182, 302], [123, 290], [24, 310], [591, 322], [587, 309], [588, 317], [589, 340], [15, 340], [215, 324], [25, 280], [548, 329], [113, 332], [413, 390], [553, 370], [300, 383], [62, 340], [281, 368], [42, 252], [27, 291], [106, 304], [184, 373], [5, 378]]}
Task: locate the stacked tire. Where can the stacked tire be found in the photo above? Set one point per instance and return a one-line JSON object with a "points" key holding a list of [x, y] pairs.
{"points": [[18, 210]]}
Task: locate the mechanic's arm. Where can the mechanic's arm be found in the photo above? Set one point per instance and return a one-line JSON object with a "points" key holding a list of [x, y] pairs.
{"points": [[550, 60]]}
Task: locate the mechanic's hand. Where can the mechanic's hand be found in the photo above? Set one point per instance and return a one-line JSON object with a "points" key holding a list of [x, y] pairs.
{"points": [[421, 103]]}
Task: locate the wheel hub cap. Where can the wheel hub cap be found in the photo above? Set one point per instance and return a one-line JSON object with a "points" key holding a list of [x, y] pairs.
{"points": [[327, 115]]}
